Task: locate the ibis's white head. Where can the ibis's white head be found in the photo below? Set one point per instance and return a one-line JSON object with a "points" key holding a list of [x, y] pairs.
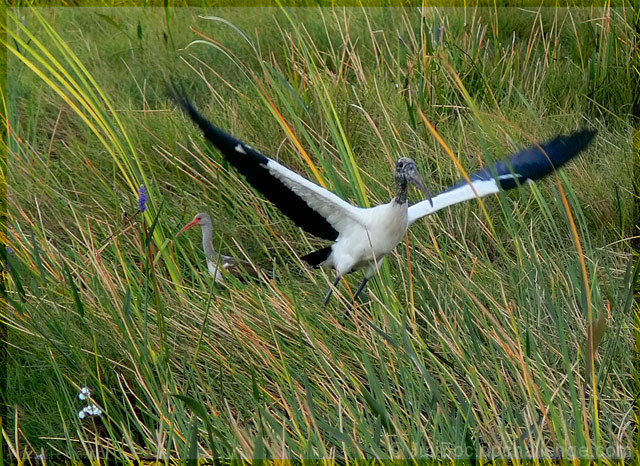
{"points": [[407, 172], [203, 220]]}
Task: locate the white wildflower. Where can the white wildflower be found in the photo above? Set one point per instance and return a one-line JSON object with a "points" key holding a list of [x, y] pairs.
{"points": [[90, 410], [93, 410], [85, 393]]}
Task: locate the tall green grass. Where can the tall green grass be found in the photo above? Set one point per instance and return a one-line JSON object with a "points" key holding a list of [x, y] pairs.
{"points": [[504, 328]]}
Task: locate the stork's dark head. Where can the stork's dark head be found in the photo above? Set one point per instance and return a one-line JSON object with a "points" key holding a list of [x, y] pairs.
{"points": [[407, 172]]}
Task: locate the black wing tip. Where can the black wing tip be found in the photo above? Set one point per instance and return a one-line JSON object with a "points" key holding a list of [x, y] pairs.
{"points": [[541, 160], [224, 141], [178, 95], [585, 133], [559, 150], [588, 132], [580, 139]]}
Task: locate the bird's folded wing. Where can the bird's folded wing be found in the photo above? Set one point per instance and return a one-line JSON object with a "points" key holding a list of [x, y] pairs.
{"points": [[530, 164], [311, 207]]}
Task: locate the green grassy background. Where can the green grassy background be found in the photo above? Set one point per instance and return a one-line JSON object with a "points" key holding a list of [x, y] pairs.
{"points": [[487, 317]]}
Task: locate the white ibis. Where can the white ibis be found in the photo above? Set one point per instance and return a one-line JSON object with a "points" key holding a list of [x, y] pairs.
{"points": [[218, 263], [363, 236]]}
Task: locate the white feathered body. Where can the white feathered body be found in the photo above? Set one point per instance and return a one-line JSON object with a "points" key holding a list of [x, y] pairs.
{"points": [[365, 242], [365, 235]]}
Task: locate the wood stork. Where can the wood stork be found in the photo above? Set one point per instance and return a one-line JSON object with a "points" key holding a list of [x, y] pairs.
{"points": [[217, 263], [363, 236]]}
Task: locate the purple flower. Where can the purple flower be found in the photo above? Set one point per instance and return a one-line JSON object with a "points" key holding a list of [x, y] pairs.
{"points": [[6, 261], [142, 198]]}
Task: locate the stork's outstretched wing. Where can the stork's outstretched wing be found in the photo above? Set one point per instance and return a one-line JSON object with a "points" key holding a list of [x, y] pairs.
{"points": [[311, 207], [532, 164]]}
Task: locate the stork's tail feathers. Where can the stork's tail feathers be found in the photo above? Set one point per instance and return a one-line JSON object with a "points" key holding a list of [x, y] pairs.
{"points": [[316, 258]]}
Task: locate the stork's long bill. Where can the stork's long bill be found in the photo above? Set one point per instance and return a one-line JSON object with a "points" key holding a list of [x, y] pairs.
{"points": [[407, 172], [363, 236]]}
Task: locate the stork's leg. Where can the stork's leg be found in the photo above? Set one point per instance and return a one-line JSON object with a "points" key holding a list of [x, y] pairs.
{"points": [[330, 292], [371, 271], [345, 316]]}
